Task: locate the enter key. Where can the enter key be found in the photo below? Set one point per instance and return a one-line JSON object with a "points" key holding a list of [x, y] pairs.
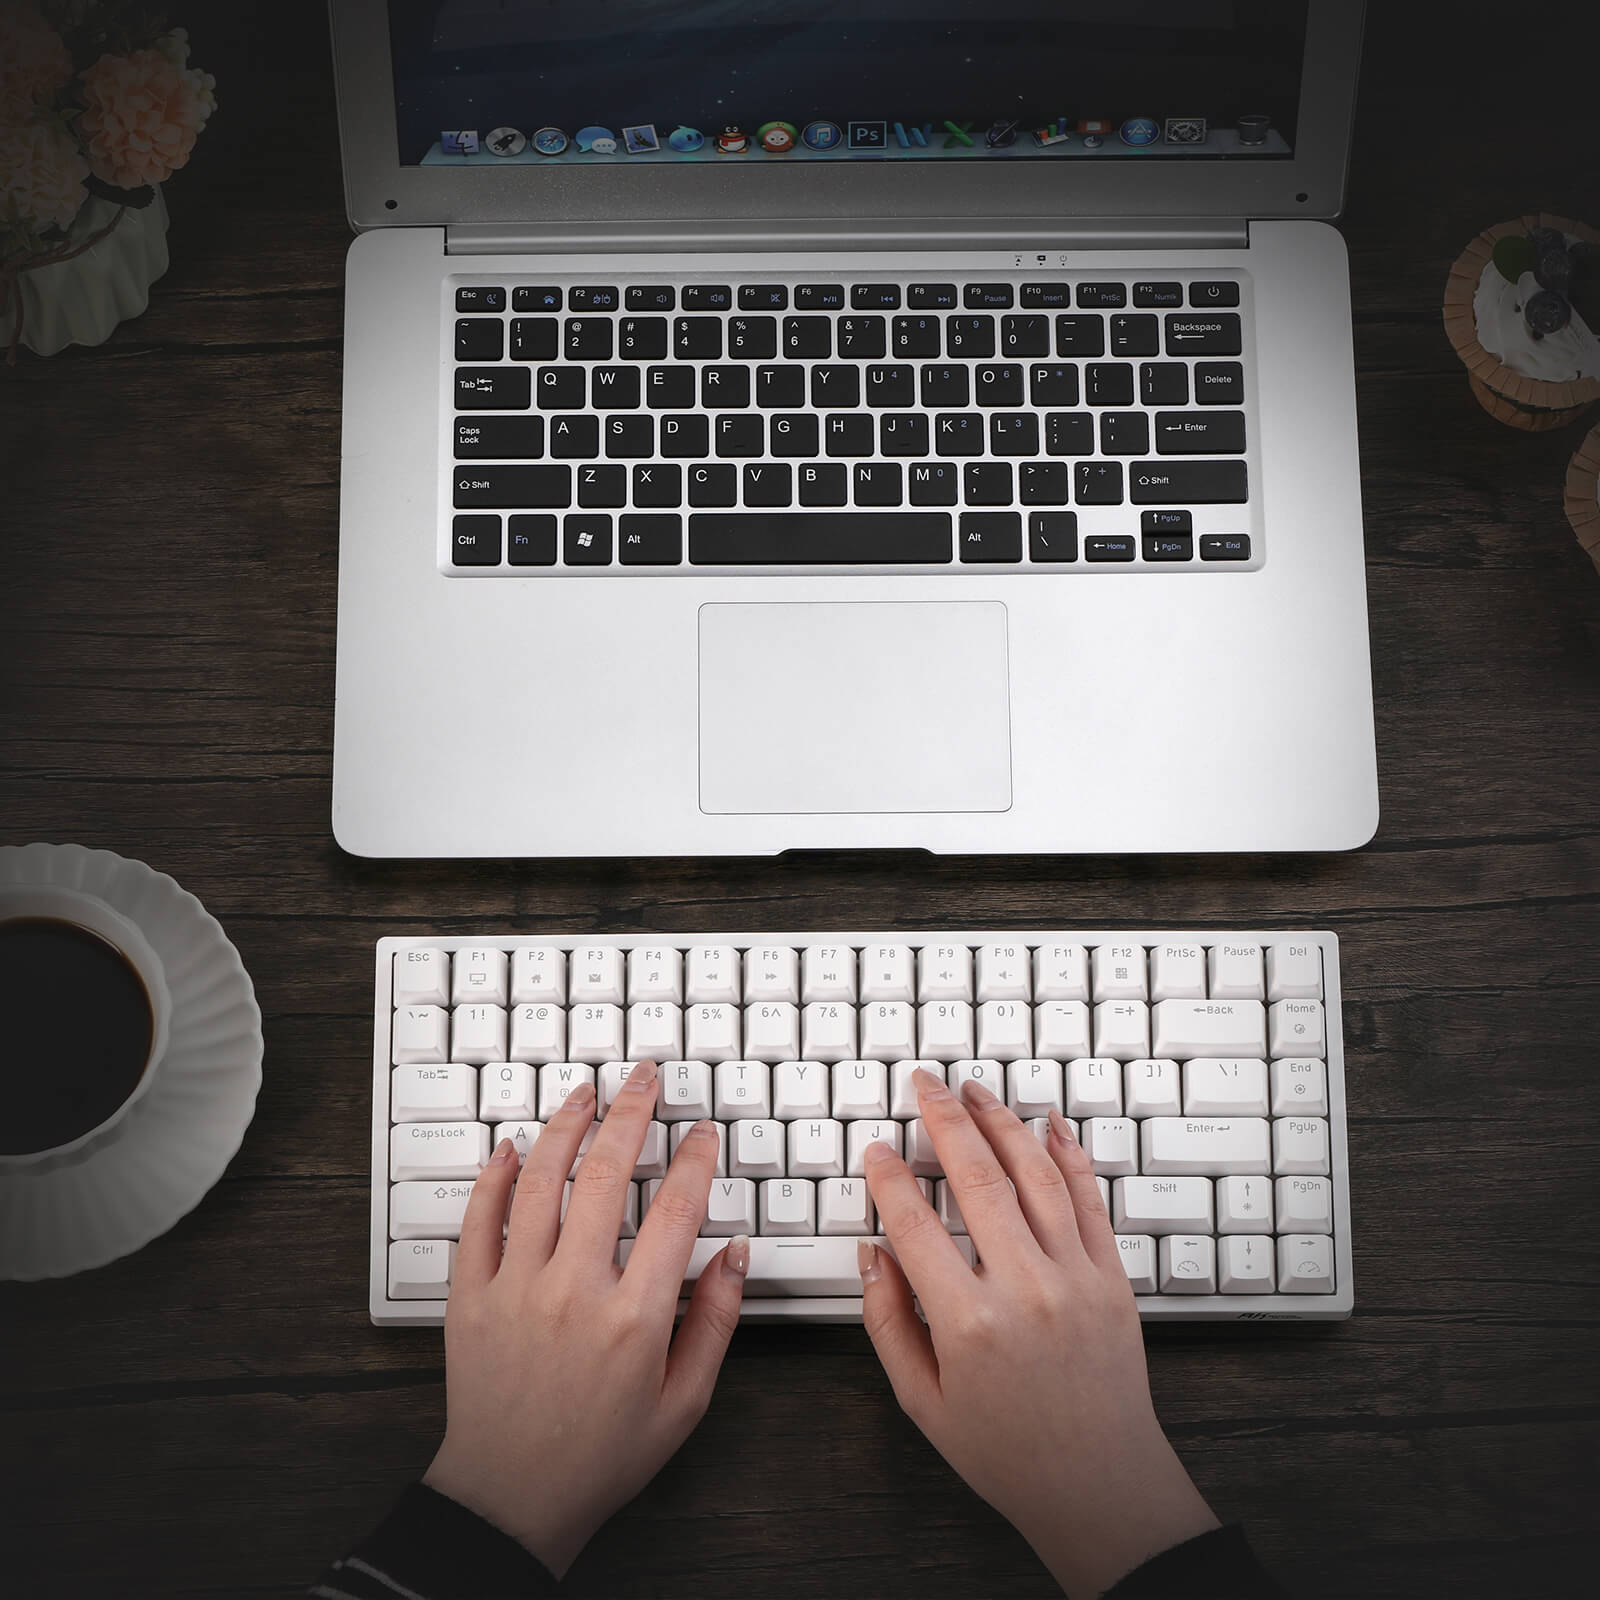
{"points": [[1199, 433]]}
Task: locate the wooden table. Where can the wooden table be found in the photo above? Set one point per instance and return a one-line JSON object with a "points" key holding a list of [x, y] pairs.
{"points": [[216, 1416]]}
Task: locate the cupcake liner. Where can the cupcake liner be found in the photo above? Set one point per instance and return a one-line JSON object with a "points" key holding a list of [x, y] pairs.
{"points": [[1583, 494]]}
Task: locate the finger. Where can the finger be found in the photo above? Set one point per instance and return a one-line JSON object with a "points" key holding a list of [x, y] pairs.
{"points": [[989, 1208], [903, 1344], [478, 1253], [536, 1211], [928, 1255], [660, 1255], [600, 1191], [1094, 1226], [707, 1326], [1041, 1190]]}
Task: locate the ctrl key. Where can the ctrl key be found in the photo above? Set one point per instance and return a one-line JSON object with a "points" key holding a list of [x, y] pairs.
{"points": [[475, 542], [419, 1269]]}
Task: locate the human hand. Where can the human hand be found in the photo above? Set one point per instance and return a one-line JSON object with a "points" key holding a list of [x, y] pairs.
{"points": [[1029, 1378], [565, 1389]]}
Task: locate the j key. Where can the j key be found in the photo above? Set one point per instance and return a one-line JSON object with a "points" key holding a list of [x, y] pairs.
{"points": [[724, 388], [900, 435], [575, 438], [770, 484], [999, 384], [616, 389], [602, 488], [915, 336], [798, 435], [499, 438], [630, 437], [650, 540], [877, 483], [988, 483], [862, 338], [835, 386], [1054, 385], [1099, 483], [475, 542], [1069, 433], [1013, 433], [707, 297], [946, 386], [1163, 383], [763, 297], [784, 386], [531, 541], [1211, 433], [807, 338], [650, 297], [824, 483], [587, 543], [1080, 336], [478, 339], [1043, 483], [1108, 384], [849, 435], [669, 388], [1102, 295], [740, 436], [891, 386], [513, 488], [475, 298], [1214, 293], [712, 485], [970, 336], [658, 485], [932, 297], [1052, 536], [753, 338], [959, 433], [535, 338], [1135, 335], [1199, 334], [593, 298], [560, 388], [875, 296], [820, 537], [542, 297], [696, 338], [934, 483], [819, 297], [642, 338], [1025, 336], [990, 536], [587, 338], [1189, 482], [1158, 294], [987, 296], [1124, 433], [686, 436], [1051, 296], [1218, 383], [494, 388]]}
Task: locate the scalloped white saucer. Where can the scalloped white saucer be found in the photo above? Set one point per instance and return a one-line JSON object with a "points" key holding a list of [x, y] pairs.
{"points": [[163, 1158]]}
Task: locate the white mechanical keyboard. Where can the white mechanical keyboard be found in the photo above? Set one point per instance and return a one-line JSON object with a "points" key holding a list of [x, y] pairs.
{"points": [[1203, 1073]]}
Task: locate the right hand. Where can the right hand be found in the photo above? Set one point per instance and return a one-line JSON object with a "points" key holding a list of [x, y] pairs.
{"points": [[1029, 1378]]}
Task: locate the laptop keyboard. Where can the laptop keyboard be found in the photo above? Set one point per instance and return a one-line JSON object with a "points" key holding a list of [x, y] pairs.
{"points": [[1071, 423]]}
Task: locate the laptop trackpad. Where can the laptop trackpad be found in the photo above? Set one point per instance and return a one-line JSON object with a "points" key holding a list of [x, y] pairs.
{"points": [[820, 706]]}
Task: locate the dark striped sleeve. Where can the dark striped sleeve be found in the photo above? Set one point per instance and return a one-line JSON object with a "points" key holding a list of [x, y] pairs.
{"points": [[1219, 1565]]}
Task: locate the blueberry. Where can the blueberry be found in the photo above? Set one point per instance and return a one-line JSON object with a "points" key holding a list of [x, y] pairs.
{"points": [[1546, 312], [1547, 238], [1553, 269]]}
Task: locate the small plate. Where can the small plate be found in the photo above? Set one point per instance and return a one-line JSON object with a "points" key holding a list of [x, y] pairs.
{"points": [[178, 1140]]}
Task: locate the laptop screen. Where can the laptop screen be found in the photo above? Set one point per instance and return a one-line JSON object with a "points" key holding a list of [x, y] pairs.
{"points": [[487, 83]]}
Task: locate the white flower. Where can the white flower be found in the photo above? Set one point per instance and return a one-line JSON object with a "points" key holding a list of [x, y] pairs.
{"points": [[204, 85]]}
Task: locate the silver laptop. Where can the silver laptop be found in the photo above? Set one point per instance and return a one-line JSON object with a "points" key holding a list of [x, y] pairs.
{"points": [[869, 424]]}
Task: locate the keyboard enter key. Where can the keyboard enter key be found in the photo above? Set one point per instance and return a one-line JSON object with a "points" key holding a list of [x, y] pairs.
{"points": [[1200, 433]]}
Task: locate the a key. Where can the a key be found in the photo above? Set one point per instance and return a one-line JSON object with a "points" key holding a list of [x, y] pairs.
{"points": [[421, 978], [1177, 972], [685, 1091], [828, 1031], [557, 1079], [419, 1033], [1299, 1088], [679, 1131], [945, 1028], [755, 1148], [903, 1086], [1294, 972], [920, 1154], [1004, 972], [788, 1207], [730, 1208], [1210, 1147], [712, 1033], [860, 1091], [888, 1031], [828, 973], [1224, 1087], [524, 1135], [539, 974], [1297, 1028], [1300, 1146], [478, 1034], [743, 1090], [1005, 1029], [801, 1089], [1112, 1145], [1305, 1264], [1122, 1029], [983, 1071], [577, 439], [1138, 1253], [944, 972], [845, 1207], [1094, 1088], [419, 1269], [1161, 1206], [427, 1210], [1119, 972], [433, 1094], [1061, 972], [858, 1135], [1244, 1205], [1188, 1264], [655, 1030], [538, 1033], [816, 1148], [506, 1093], [1033, 1086], [431, 1151], [1304, 1204], [1061, 1030], [596, 1034], [1152, 1087], [1186, 1028], [771, 1033]]}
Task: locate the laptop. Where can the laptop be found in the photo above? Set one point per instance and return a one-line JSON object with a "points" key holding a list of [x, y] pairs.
{"points": [[861, 425]]}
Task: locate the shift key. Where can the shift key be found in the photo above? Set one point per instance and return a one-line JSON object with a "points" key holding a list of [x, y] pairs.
{"points": [[1186, 483], [500, 488]]}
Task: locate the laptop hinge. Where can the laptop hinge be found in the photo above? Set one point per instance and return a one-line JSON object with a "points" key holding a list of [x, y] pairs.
{"points": [[1023, 238]]}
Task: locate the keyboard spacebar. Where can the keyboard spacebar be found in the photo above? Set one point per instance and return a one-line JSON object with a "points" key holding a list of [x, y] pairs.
{"points": [[814, 538], [811, 1266]]}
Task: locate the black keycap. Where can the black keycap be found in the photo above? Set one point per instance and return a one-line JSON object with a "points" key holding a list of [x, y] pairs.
{"points": [[958, 433], [903, 434], [1196, 483], [575, 438], [494, 388], [1135, 334], [1166, 522], [1110, 547], [836, 387], [935, 483], [1218, 383], [1108, 383], [642, 338], [650, 297], [561, 388], [1124, 433], [475, 542], [686, 436], [602, 487], [499, 438], [740, 436], [650, 541], [877, 483], [588, 338], [1168, 547], [707, 297], [480, 339], [848, 434], [1043, 483], [478, 298], [1068, 433], [819, 297], [1213, 292], [1199, 433], [1025, 336], [1099, 483], [796, 436], [713, 485], [1080, 336], [863, 338], [616, 389], [824, 483], [875, 296], [783, 386], [536, 339], [1052, 535], [807, 338], [916, 336], [658, 484], [1013, 433], [724, 388], [987, 296], [1203, 334], [1000, 384], [972, 338], [669, 388], [753, 338], [1053, 385], [1048, 296], [541, 297], [1105, 296], [932, 297], [1160, 295], [697, 338], [594, 297], [531, 541], [587, 541], [831, 538], [891, 386], [987, 483], [946, 386], [1163, 383], [763, 297], [990, 536], [513, 488], [768, 485], [1225, 547], [630, 438]]}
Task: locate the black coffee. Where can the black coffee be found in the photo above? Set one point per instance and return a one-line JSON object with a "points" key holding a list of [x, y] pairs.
{"points": [[79, 1028]]}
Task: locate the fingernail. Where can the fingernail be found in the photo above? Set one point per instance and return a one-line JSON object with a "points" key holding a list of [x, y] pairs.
{"points": [[503, 1152], [980, 1094], [581, 1095], [867, 1263], [703, 1130], [736, 1259], [874, 1153], [928, 1084], [643, 1075], [1060, 1127]]}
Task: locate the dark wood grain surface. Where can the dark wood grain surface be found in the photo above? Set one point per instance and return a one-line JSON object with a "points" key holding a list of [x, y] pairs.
{"points": [[215, 1415]]}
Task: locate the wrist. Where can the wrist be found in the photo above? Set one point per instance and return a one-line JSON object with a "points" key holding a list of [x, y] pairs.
{"points": [[552, 1540]]}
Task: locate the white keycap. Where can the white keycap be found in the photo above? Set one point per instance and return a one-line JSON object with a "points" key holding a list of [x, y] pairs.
{"points": [[1235, 972], [788, 1207], [1294, 971], [888, 1031], [1161, 1205], [743, 1089], [681, 1130], [903, 1087], [630, 1212], [596, 1033], [1152, 1088], [772, 1031], [478, 1034], [802, 1089], [860, 1091], [1112, 1145], [478, 977], [523, 1134], [988, 1072], [1138, 1252], [427, 1151], [1185, 1028], [420, 1033], [1119, 972], [539, 974], [1177, 972], [609, 1082], [1061, 1030], [926, 1185], [1094, 1087], [538, 1033], [1304, 1205], [1300, 1146], [654, 1154], [816, 1148], [506, 1093], [1299, 1088], [1005, 1030], [557, 1079], [1122, 1029], [1244, 1265], [1188, 1265], [844, 1207], [945, 1029], [887, 973], [713, 975], [1039, 1127], [780, 1267], [1214, 1147], [730, 1208], [1104, 1187], [1004, 972], [685, 1090], [858, 1135], [419, 1269], [655, 1031], [755, 1148], [944, 972], [428, 1210], [655, 974], [771, 972], [1033, 1086], [595, 977], [1244, 1205], [1297, 1028], [421, 978], [921, 1157], [828, 973], [828, 1031], [713, 1033], [948, 1208], [1305, 1264], [433, 1094], [1061, 972], [1231, 1086]]}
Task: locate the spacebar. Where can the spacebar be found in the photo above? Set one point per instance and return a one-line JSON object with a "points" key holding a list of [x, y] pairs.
{"points": [[812, 538], [812, 1265]]}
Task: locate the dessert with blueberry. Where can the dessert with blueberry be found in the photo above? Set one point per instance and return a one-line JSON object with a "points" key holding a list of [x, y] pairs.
{"points": [[1583, 494]]}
